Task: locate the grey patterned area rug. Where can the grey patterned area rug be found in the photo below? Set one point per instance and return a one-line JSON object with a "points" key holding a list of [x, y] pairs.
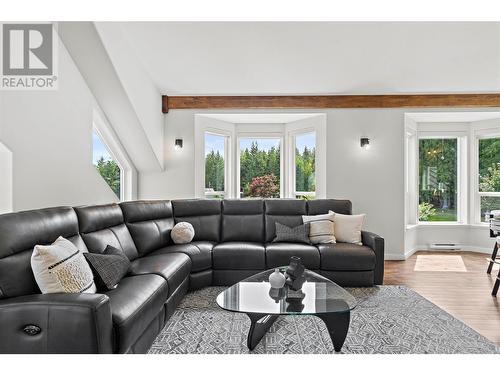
{"points": [[388, 319]]}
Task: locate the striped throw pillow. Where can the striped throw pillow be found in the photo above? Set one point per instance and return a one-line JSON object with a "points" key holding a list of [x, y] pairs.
{"points": [[61, 268], [322, 229]]}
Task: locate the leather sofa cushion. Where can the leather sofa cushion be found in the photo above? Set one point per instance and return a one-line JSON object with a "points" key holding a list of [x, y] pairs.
{"points": [[346, 257], [117, 236], [94, 218], [149, 223], [103, 225], [19, 233], [322, 206], [243, 220], [284, 211], [239, 256], [278, 254], [203, 214], [135, 302], [200, 253], [173, 267]]}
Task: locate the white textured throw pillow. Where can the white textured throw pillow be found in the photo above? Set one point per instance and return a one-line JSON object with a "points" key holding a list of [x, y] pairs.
{"points": [[321, 228], [182, 232], [61, 268], [348, 227]]}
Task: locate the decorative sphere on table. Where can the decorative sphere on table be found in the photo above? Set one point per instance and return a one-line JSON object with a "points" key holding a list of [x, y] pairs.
{"points": [[277, 279]]}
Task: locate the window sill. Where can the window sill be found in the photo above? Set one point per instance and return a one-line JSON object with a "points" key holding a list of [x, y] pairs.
{"points": [[446, 225]]}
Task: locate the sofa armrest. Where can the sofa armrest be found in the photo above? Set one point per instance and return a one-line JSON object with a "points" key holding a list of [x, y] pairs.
{"points": [[56, 323], [377, 244]]}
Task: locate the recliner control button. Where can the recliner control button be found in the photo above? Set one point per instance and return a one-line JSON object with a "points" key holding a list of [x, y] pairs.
{"points": [[32, 330]]}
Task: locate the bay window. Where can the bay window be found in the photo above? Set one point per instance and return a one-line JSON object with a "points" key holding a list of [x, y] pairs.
{"points": [[281, 158], [452, 170]]}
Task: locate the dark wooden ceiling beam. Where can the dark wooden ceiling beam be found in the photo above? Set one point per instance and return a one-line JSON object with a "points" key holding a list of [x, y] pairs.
{"points": [[330, 101]]}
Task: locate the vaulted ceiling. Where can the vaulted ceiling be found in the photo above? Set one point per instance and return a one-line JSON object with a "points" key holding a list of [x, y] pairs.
{"points": [[316, 58]]}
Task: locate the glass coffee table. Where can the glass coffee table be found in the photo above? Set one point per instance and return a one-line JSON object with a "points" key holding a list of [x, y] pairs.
{"points": [[263, 304]]}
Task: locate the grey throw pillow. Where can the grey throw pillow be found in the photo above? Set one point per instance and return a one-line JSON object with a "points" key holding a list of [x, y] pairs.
{"points": [[108, 268], [299, 233]]}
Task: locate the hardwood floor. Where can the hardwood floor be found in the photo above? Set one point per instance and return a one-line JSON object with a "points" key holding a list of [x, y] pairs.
{"points": [[465, 295]]}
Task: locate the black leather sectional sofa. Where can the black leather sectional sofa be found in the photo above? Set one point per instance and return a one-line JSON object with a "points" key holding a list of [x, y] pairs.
{"points": [[232, 241]]}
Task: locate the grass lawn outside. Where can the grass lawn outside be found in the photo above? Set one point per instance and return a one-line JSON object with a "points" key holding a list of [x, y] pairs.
{"points": [[444, 215]]}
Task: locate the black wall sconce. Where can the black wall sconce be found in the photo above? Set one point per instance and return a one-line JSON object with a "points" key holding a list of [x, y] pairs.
{"points": [[365, 142], [178, 143]]}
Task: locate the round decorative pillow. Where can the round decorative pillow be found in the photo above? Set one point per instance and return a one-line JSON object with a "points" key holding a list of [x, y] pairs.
{"points": [[182, 233]]}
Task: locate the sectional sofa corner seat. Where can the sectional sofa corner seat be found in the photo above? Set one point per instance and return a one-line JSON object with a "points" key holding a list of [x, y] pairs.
{"points": [[233, 240]]}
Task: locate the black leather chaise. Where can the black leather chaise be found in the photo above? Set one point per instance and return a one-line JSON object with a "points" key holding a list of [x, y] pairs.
{"points": [[233, 240]]}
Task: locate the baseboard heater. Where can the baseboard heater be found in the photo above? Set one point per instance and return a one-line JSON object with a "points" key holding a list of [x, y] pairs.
{"points": [[445, 246]]}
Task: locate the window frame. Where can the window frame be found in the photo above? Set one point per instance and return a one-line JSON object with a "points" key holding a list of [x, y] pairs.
{"points": [[292, 136], [477, 135], [128, 173], [461, 200], [227, 177], [113, 157], [259, 135]]}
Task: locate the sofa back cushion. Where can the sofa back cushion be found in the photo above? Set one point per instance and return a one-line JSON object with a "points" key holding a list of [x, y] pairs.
{"points": [[322, 206], [103, 225], [149, 223], [203, 214], [284, 211], [19, 233], [243, 220]]}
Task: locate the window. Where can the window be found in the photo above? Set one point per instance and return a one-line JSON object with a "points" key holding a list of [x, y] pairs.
{"points": [[105, 164], [488, 175], [305, 165], [452, 168], [215, 165], [250, 155], [438, 179], [260, 167]]}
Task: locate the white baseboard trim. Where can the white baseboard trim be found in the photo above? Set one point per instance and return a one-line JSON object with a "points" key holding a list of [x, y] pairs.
{"points": [[476, 249], [409, 253]]}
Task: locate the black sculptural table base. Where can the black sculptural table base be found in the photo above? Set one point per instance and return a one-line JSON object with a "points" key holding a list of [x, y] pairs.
{"points": [[337, 325]]}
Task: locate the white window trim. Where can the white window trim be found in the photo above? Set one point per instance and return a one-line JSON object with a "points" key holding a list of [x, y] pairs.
{"points": [[462, 168], [477, 133], [128, 173], [411, 176]]}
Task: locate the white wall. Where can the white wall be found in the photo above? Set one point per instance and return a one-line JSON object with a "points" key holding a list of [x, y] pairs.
{"points": [[471, 237], [5, 179], [87, 51], [143, 94], [50, 136], [372, 179]]}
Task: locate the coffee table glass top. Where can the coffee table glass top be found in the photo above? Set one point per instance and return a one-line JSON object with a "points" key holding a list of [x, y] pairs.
{"points": [[255, 295]]}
